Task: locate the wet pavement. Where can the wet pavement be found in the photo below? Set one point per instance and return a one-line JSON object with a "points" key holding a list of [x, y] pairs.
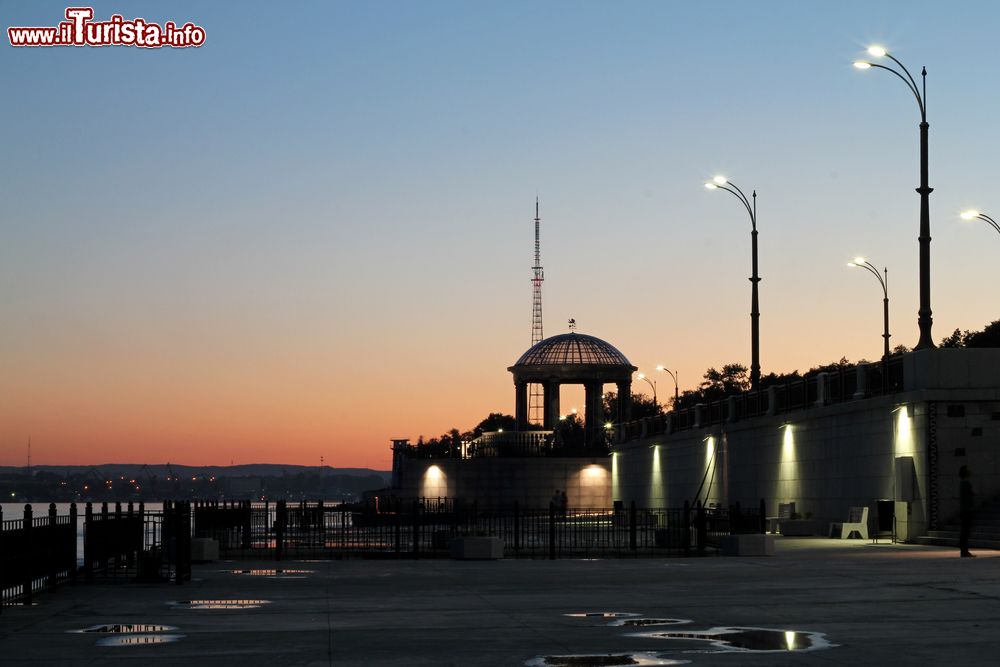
{"points": [[817, 602]]}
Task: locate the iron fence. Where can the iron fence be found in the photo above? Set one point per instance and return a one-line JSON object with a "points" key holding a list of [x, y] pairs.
{"points": [[424, 528], [40, 553], [36, 553]]}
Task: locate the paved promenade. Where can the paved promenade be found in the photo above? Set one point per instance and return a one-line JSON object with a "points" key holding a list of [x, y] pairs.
{"points": [[878, 604]]}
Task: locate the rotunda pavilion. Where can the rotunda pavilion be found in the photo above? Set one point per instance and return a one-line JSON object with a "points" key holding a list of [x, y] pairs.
{"points": [[573, 358]]}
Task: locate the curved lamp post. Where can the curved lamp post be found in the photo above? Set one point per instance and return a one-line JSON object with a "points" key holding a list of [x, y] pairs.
{"points": [[976, 215], [721, 183], [673, 376], [924, 319], [884, 282], [651, 383]]}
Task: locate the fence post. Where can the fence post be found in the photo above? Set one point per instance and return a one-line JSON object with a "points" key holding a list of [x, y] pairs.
{"points": [[399, 529], [72, 549], [29, 553], [686, 527], [701, 528], [631, 526], [279, 529], [88, 546], [416, 529], [552, 530], [517, 526], [52, 548], [247, 525], [183, 566], [763, 517]]}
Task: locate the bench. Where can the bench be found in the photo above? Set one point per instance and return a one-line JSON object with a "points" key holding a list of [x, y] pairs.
{"points": [[785, 511], [857, 522]]}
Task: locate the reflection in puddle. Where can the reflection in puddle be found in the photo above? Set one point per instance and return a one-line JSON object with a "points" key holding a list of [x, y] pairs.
{"points": [[220, 604], [137, 640], [602, 614], [642, 622], [643, 658], [288, 574], [127, 628], [750, 639]]}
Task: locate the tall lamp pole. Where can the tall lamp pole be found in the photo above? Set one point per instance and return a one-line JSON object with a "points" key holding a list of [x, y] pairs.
{"points": [[976, 215], [651, 383], [721, 183], [924, 319], [883, 280], [673, 376]]}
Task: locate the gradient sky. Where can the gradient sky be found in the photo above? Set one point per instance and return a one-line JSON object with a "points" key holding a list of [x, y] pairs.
{"points": [[314, 233]]}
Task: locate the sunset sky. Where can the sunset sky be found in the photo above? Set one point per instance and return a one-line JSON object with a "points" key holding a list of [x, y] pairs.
{"points": [[314, 233]]}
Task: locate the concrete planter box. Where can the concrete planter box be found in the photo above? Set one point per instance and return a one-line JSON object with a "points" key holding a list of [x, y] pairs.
{"points": [[476, 548], [798, 527], [204, 549], [747, 545]]}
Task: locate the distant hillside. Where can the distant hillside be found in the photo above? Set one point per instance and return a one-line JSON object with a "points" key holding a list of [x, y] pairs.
{"points": [[162, 470]]}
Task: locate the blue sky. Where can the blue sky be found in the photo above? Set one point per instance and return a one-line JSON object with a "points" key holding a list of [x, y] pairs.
{"points": [[326, 210]]}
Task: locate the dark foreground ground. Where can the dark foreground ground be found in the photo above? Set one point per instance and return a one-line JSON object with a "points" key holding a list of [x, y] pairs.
{"points": [[877, 605]]}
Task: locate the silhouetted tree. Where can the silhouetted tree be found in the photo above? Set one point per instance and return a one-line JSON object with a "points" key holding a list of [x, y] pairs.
{"points": [[642, 406], [988, 337]]}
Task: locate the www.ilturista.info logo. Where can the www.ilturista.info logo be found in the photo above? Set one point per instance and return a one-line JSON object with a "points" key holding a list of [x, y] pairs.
{"points": [[80, 30]]}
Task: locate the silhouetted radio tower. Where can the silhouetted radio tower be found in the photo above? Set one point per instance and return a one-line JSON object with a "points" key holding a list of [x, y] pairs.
{"points": [[535, 399]]}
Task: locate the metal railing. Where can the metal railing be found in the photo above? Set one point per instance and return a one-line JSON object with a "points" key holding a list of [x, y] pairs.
{"points": [[838, 386], [423, 528], [39, 553]]}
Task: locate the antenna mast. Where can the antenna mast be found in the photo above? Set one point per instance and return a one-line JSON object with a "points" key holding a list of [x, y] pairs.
{"points": [[536, 408]]}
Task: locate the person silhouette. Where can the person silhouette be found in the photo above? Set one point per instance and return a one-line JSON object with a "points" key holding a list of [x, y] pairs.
{"points": [[966, 501]]}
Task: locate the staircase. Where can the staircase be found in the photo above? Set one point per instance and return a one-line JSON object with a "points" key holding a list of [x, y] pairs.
{"points": [[985, 530]]}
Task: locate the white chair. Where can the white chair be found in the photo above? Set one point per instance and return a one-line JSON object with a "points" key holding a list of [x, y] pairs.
{"points": [[857, 522]]}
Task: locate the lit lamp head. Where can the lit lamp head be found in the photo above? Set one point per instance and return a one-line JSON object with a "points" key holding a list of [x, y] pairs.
{"points": [[971, 214], [711, 186], [660, 367], [876, 51], [861, 64], [859, 260], [641, 376]]}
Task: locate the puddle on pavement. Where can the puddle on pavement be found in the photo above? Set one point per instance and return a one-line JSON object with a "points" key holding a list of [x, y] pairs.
{"points": [[138, 640], [127, 628], [750, 639], [286, 574], [220, 604], [643, 622], [602, 614], [643, 658]]}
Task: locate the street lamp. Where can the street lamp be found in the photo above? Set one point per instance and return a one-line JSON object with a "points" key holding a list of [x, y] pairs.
{"points": [[976, 215], [924, 319], [651, 383], [722, 183], [673, 375], [884, 282]]}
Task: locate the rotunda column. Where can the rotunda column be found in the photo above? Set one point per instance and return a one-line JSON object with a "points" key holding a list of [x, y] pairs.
{"points": [[594, 415], [521, 405], [624, 401], [551, 414]]}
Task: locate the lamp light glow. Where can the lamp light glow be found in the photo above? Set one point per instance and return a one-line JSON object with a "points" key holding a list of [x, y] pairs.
{"points": [[720, 180], [852, 265], [876, 51], [861, 64], [971, 214], [660, 367], [859, 260], [641, 376], [711, 186]]}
